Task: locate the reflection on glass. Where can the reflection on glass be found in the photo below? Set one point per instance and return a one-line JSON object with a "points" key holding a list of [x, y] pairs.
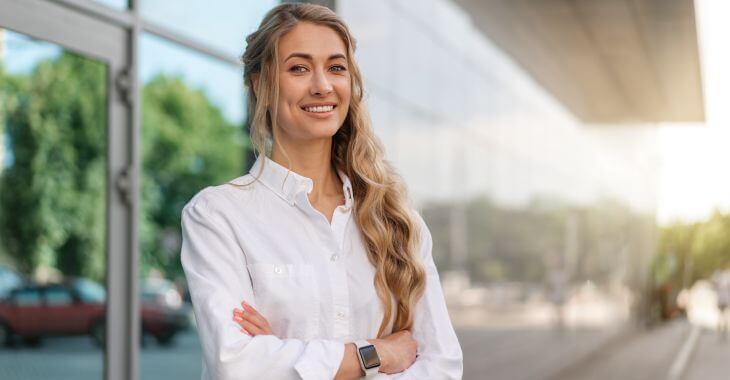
{"points": [[116, 4], [222, 24], [540, 231], [221, 84], [52, 210], [192, 137]]}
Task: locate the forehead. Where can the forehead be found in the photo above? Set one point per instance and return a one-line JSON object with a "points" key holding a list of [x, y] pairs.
{"points": [[316, 40]]}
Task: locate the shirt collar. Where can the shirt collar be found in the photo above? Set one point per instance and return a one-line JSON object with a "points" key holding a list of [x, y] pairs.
{"points": [[288, 184]]}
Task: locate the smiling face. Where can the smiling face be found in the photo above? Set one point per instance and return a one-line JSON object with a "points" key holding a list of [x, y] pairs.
{"points": [[314, 83]]}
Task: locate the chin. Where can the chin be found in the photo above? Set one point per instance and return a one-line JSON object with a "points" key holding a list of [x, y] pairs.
{"points": [[319, 130], [323, 131]]}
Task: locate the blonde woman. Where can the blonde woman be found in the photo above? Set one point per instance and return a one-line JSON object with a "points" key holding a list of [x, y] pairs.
{"points": [[313, 266]]}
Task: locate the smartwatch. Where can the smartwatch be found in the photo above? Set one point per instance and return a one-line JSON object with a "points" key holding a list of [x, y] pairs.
{"points": [[368, 357]]}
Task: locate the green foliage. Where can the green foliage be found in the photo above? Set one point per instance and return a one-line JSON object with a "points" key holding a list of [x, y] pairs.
{"points": [[711, 245], [186, 145], [698, 248], [53, 196], [526, 243]]}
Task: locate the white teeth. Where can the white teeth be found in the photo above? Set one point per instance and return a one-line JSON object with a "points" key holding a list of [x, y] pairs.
{"points": [[319, 109]]}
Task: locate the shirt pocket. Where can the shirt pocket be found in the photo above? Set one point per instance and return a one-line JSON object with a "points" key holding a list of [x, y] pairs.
{"points": [[287, 296]]}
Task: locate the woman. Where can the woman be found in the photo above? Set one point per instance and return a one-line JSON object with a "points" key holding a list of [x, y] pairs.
{"points": [[313, 265]]}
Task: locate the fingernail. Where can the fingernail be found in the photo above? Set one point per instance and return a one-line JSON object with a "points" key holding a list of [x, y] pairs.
{"points": [[245, 332]]}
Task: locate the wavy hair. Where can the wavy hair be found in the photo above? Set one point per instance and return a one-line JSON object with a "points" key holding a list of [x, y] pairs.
{"points": [[389, 227]]}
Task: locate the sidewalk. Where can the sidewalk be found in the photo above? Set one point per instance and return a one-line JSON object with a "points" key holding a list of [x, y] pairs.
{"points": [[711, 358], [645, 355], [530, 353]]}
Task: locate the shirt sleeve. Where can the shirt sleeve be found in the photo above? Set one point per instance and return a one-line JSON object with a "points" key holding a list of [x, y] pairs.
{"points": [[215, 269], [439, 352]]}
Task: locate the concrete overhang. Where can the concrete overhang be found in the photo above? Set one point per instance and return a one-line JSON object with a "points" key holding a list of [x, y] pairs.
{"points": [[607, 61]]}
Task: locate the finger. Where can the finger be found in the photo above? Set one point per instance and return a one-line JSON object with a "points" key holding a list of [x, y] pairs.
{"points": [[251, 328], [259, 321], [238, 313], [247, 307], [239, 321], [254, 315]]}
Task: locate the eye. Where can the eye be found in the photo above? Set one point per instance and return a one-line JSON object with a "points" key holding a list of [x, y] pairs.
{"points": [[297, 69], [338, 68]]}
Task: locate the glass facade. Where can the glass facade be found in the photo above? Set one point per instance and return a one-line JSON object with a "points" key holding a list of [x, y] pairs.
{"points": [[193, 136], [53, 123], [220, 24], [116, 4], [540, 223]]}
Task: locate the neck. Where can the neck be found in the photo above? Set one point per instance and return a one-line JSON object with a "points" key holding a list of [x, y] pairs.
{"points": [[312, 160]]}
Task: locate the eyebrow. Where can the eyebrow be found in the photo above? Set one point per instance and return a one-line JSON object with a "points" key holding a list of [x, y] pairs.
{"points": [[309, 56]]}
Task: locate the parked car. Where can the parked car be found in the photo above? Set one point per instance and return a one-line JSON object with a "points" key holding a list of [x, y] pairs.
{"points": [[77, 307], [9, 279]]}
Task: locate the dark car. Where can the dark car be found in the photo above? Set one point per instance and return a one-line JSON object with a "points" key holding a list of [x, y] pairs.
{"points": [[77, 307]]}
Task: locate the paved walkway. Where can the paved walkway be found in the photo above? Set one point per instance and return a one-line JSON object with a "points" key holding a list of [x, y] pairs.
{"points": [[525, 353], [644, 355], [710, 359]]}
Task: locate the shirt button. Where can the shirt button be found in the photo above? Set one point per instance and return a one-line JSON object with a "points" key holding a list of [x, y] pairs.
{"points": [[334, 257], [340, 315], [278, 270]]}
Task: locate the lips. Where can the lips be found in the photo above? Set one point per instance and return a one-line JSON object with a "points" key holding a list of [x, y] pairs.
{"points": [[319, 111], [319, 108]]}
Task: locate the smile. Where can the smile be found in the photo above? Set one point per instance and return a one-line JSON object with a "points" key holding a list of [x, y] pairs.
{"points": [[319, 109]]}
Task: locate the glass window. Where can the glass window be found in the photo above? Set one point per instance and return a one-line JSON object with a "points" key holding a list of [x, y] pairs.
{"points": [[193, 136], [53, 155], [116, 4], [90, 291], [58, 296], [9, 280], [27, 297], [222, 24]]}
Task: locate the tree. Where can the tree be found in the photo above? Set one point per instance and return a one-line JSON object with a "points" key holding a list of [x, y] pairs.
{"points": [[52, 196], [187, 145]]}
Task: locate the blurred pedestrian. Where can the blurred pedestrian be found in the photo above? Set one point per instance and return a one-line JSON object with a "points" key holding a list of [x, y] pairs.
{"points": [[721, 279]]}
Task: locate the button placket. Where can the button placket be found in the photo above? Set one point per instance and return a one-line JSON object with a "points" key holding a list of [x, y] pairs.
{"points": [[334, 239]]}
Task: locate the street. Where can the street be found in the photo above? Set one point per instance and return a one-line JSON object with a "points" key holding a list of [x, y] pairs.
{"points": [[494, 351]]}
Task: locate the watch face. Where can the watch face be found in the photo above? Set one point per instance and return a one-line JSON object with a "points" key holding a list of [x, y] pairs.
{"points": [[370, 357]]}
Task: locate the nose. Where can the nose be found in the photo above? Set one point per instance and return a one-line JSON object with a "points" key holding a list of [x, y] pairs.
{"points": [[320, 84]]}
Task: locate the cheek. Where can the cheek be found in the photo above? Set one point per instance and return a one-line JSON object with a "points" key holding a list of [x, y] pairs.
{"points": [[290, 92], [345, 92]]}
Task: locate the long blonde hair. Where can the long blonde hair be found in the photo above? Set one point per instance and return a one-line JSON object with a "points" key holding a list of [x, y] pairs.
{"points": [[382, 211]]}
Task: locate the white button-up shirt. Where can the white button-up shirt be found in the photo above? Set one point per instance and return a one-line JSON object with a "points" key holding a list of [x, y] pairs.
{"points": [[311, 279]]}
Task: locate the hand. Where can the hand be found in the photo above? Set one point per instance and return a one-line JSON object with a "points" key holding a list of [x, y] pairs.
{"points": [[251, 321], [397, 351]]}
